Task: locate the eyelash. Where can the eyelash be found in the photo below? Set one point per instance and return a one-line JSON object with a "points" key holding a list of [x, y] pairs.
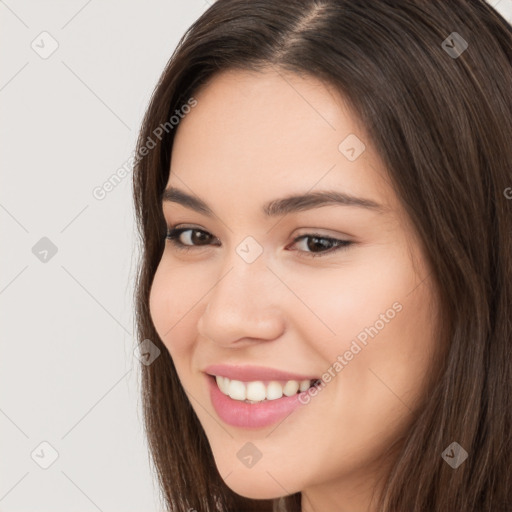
{"points": [[173, 235]]}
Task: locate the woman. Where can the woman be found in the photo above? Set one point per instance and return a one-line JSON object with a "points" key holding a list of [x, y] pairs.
{"points": [[321, 192]]}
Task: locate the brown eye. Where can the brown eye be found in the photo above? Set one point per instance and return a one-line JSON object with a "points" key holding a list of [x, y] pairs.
{"points": [[194, 237], [315, 244], [185, 239]]}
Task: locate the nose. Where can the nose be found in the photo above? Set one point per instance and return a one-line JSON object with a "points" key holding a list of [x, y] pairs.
{"points": [[243, 305]]}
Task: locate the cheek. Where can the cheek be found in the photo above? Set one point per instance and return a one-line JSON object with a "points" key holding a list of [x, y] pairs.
{"points": [[365, 293], [171, 303], [377, 317], [389, 337]]}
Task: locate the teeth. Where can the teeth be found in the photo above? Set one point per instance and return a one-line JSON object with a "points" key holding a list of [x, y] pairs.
{"points": [[304, 385], [220, 384], [237, 390], [274, 391], [291, 387], [256, 391]]}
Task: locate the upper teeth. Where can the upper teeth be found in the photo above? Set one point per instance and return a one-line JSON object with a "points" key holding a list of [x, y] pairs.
{"points": [[257, 391]]}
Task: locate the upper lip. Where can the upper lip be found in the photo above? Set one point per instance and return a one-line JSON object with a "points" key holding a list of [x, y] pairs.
{"points": [[247, 373]]}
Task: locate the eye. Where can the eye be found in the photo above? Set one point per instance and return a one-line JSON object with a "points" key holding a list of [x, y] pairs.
{"points": [[174, 236], [195, 238], [317, 241]]}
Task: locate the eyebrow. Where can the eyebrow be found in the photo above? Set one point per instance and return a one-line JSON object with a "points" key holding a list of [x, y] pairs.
{"points": [[277, 207]]}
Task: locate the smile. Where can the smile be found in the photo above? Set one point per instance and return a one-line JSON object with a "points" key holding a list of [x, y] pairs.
{"points": [[255, 402], [258, 391]]}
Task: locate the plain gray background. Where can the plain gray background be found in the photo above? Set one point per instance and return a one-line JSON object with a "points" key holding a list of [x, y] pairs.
{"points": [[68, 373]]}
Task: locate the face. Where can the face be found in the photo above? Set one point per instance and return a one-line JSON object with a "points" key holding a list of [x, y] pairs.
{"points": [[337, 291]]}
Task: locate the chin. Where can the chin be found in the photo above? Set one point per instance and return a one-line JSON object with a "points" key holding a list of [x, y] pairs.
{"points": [[259, 484], [255, 489]]}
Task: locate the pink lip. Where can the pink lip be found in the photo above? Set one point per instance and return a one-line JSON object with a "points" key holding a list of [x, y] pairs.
{"points": [[247, 373], [241, 414]]}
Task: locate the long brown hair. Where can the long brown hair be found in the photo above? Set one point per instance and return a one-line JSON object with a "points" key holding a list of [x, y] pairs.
{"points": [[442, 124]]}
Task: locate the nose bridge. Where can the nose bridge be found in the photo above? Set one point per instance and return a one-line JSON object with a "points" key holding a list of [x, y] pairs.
{"points": [[246, 275], [242, 302], [242, 284]]}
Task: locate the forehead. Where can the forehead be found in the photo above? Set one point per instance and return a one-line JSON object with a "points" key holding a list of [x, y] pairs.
{"points": [[254, 136]]}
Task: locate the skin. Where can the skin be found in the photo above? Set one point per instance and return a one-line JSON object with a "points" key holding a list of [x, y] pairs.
{"points": [[251, 138]]}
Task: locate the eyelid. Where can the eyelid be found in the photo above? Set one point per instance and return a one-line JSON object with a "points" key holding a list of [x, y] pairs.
{"points": [[303, 231], [174, 232]]}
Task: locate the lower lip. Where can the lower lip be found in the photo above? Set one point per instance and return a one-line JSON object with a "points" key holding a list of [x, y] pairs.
{"points": [[241, 414]]}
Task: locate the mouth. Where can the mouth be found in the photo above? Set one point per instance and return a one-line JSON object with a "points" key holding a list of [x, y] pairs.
{"points": [[256, 404], [248, 396], [258, 391]]}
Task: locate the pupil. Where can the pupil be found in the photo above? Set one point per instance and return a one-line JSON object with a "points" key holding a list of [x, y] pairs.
{"points": [[315, 242], [199, 236]]}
